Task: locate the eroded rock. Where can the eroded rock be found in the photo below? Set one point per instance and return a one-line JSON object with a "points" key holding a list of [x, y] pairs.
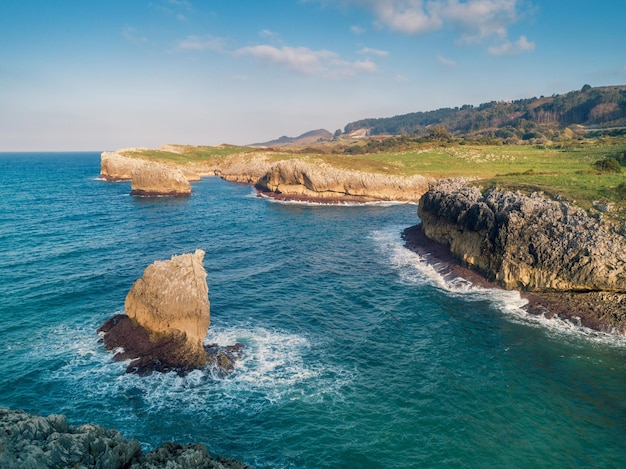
{"points": [[156, 179], [35, 442], [167, 317], [525, 242], [319, 181]]}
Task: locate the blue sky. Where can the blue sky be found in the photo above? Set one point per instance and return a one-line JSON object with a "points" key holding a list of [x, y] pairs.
{"points": [[101, 75]]}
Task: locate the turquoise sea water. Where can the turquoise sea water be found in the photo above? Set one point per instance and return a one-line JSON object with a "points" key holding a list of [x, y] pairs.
{"points": [[358, 353]]}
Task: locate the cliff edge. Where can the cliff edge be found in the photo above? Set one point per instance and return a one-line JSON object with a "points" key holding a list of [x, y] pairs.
{"points": [[566, 260], [298, 178]]}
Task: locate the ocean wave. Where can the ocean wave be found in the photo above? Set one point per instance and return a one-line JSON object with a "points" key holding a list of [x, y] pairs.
{"points": [[277, 366], [418, 270]]}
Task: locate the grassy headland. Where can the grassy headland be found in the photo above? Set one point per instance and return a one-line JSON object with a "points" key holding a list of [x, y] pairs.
{"points": [[561, 169]]}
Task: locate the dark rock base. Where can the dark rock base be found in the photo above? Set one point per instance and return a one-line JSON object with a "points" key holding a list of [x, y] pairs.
{"points": [[140, 193], [163, 352], [600, 311]]}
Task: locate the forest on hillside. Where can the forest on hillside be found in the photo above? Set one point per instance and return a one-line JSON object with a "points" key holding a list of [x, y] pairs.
{"points": [[536, 119]]}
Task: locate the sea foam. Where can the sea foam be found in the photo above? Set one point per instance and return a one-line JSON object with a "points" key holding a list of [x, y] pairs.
{"points": [[416, 269]]}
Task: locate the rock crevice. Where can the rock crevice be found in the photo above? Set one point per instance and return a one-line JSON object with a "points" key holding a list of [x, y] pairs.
{"points": [[525, 242]]}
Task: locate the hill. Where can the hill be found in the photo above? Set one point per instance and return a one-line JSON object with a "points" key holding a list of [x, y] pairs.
{"points": [[524, 119], [307, 138]]}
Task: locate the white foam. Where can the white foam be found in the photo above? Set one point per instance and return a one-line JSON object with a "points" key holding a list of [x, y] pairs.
{"points": [[416, 269], [332, 203], [276, 366]]}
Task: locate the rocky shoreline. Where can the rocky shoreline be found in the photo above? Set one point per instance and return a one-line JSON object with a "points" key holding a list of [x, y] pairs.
{"points": [[566, 263], [577, 308], [33, 441]]}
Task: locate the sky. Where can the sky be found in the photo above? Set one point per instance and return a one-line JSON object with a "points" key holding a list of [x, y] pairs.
{"points": [[87, 75]]}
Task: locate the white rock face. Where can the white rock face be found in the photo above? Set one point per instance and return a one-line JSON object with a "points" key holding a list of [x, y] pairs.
{"points": [[150, 178], [172, 295]]}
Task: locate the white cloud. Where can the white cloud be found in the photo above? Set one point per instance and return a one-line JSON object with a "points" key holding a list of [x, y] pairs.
{"points": [[198, 44], [307, 61], [447, 62], [401, 78], [376, 52], [267, 33], [473, 19], [513, 48], [624, 69], [131, 35], [357, 30]]}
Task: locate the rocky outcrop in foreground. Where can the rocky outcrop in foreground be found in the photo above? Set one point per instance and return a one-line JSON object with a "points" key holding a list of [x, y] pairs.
{"points": [[533, 244], [34, 442], [167, 317], [319, 181]]}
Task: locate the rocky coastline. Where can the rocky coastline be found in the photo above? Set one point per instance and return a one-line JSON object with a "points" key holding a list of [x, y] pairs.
{"points": [[566, 263], [33, 441]]}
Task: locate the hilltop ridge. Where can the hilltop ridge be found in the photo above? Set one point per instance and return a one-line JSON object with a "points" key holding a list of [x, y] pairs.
{"points": [[525, 119]]}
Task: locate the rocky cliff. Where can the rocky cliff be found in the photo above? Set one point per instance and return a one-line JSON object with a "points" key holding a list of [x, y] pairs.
{"points": [[525, 242], [167, 317], [293, 178], [32, 441], [116, 167], [321, 181], [150, 178]]}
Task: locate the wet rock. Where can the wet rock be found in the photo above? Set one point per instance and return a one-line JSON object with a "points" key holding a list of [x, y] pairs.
{"points": [[35, 442], [526, 242], [167, 317]]}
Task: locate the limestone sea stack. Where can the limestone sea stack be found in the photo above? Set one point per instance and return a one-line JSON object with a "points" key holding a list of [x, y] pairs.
{"points": [[150, 178], [167, 317]]}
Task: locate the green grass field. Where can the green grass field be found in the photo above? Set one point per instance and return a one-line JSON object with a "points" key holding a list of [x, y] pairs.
{"points": [[564, 170]]}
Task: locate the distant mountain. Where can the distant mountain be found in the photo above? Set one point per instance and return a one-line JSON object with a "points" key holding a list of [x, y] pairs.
{"points": [[601, 107], [307, 138]]}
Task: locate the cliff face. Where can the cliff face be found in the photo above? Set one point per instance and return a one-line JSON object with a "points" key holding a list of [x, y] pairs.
{"points": [[525, 242], [117, 167], [298, 178], [151, 178], [147, 177]]}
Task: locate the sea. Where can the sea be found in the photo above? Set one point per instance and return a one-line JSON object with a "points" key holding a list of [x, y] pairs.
{"points": [[358, 352]]}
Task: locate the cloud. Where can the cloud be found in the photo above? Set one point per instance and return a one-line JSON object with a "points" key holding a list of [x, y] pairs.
{"points": [[131, 35], [376, 52], [447, 62], [357, 30], [267, 33], [475, 20], [198, 44], [307, 61], [513, 48], [173, 8]]}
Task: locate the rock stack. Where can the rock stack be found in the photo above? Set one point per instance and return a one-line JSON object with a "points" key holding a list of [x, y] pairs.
{"points": [[167, 317]]}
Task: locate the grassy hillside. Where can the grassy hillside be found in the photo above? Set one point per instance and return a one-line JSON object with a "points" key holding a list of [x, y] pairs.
{"points": [[525, 119]]}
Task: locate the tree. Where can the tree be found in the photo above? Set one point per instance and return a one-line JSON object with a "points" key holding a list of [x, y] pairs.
{"points": [[586, 88]]}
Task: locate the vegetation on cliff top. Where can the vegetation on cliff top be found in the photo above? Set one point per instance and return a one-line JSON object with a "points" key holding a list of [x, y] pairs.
{"points": [[543, 118], [569, 146]]}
